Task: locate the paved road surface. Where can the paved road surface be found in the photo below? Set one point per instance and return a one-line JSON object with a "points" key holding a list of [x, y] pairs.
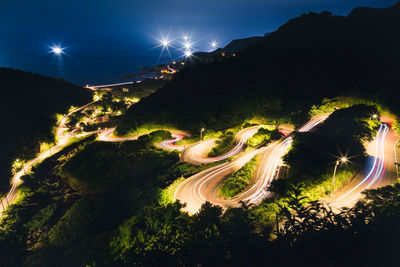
{"points": [[204, 186], [379, 171]]}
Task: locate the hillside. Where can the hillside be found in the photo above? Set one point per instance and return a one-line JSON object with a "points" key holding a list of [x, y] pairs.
{"points": [[97, 203], [234, 46], [309, 58], [240, 44], [28, 106]]}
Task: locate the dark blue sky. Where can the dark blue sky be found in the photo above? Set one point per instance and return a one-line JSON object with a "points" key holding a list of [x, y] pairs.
{"points": [[105, 38]]}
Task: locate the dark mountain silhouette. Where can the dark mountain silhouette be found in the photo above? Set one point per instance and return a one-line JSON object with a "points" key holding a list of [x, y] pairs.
{"points": [[309, 58], [234, 46], [28, 106], [240, 44]]}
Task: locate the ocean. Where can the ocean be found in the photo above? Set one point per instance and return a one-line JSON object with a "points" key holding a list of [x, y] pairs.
{"points": [[86, 69]]}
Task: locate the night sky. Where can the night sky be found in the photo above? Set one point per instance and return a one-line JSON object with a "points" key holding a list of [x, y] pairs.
{"points": [[106, 38]]}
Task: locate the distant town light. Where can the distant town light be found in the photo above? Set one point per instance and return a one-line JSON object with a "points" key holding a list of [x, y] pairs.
{"points": [[188, 53], [57, 50], [165, 43]]}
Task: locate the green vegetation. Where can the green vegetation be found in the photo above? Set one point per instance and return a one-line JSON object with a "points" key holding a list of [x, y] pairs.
{"points": [[167, 194], [313, 155], [165, 236], [53, 221], [136, 224], [104, 204], [142, 89], [145, 129], [51, 217], [210, 133], [28, 108], [225, 143], [187, 141], [102, 167], [371, 225], [263, 136], [104, 113], [330, 105], [239, 180]]}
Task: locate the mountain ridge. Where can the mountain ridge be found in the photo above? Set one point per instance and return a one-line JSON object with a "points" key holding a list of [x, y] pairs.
{"points": [[307, 59]]}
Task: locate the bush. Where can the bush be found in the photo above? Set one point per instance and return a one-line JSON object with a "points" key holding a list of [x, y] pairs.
{"points": [[239, 180], [314, 154], [102, 167]]}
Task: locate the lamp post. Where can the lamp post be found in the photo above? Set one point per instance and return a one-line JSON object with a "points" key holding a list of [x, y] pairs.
{"points": [[343, 160], [2, 204], [201, 134], [23, 166]]}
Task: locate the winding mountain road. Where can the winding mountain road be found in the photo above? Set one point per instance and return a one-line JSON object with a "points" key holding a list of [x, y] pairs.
{"points": [[195, 154], [62, 137], [379, 171], [204, 186]]}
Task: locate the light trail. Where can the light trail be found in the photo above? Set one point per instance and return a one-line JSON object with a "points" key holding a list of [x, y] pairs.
{"points": [[395, 158], [170, 144], [27, 167], [376, 172], [195, 153], [95, 87], [204, 186], [107, 136]]}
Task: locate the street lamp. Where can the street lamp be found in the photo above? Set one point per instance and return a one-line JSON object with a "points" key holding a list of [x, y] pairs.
{"points": [[341, 160], [57, 50], [188, 53], [201, 133], [188, 45], [2, 205], [23, 166], [165, 43]]}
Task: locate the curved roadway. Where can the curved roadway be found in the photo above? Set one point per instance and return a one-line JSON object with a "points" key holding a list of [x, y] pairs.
{"points": [[380, 170], [204, 186], [62, 141], [195, 153]]}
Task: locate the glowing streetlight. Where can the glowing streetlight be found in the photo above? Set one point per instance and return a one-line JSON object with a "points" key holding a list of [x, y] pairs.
{"points": [[201, 134], [188, 45], [375, 116], [188, 53], [57, 50], [185, 38], [165, 43], [341, 160], [213, 44]]}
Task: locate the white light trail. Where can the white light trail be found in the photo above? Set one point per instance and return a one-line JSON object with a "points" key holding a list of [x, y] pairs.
{"points": [[377, 167]]}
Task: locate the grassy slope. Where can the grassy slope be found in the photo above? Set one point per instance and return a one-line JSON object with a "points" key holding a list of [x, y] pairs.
{"points": [[239, 180], [28, 106]]}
